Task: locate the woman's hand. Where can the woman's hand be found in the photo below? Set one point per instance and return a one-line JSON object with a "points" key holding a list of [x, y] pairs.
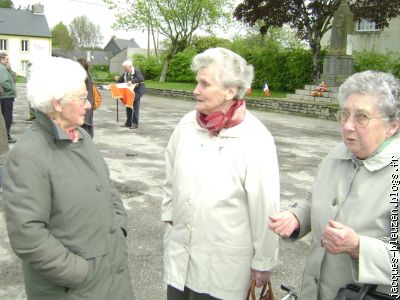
{"points": [[284, 223], [338, 238], [261, 277]]}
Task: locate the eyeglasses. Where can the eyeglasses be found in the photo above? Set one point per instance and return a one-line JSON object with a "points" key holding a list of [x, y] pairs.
{"points": [[81, 99], [360, 118]]}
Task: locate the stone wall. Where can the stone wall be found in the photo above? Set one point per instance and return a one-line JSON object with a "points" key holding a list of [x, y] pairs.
{"points": [[308, 109]]}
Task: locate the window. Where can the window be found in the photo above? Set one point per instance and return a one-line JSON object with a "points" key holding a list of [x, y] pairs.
{"points": [[24, 45], [24, 65], [366, 25], [3, 45]]}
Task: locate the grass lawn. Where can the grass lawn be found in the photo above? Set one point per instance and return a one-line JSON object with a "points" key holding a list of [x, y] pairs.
{"points": [[189, 87]]}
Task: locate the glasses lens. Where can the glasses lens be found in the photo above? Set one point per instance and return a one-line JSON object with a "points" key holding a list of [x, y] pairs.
{"points": [[342, 116], [362, 120]]}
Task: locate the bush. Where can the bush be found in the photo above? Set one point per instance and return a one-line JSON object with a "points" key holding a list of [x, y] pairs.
{"points": [[370, 60], [179, 69], [283, 69], [149, 66]]}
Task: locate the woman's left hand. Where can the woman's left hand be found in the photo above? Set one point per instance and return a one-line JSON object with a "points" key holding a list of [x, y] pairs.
{"points": [[261, 277], [338, 238]]}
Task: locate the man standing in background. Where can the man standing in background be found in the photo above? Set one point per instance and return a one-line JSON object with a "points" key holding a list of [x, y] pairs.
{"points": [[132, 76], [7, 94]]}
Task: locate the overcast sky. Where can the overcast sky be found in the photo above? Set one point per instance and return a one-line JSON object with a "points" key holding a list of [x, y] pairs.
{"points": [[66, 10]]}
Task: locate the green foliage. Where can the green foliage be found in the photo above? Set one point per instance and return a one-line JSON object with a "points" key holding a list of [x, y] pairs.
{"points": [[370, 60], [61, 37], [84, 33], [6, 4], [98, 68], [179, 68], [176, 20], [151, 69], [202, 43], [284, 69]]}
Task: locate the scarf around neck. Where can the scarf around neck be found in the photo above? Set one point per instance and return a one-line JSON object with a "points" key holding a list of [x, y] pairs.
{"points": [[215, 121]]}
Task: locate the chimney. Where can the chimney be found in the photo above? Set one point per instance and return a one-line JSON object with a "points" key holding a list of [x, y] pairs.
{"points": [[38, 9]]}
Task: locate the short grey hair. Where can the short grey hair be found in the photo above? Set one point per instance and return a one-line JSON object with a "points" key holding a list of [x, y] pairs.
{"points": [[127, 63], [232, 70], [52, 79], [382, 85]]}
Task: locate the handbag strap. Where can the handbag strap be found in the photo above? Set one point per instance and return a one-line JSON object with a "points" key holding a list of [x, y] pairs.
{"points": [[266, 292]]}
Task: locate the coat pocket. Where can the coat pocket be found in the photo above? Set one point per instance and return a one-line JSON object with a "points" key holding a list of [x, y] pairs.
{"points": [[230, 268]]}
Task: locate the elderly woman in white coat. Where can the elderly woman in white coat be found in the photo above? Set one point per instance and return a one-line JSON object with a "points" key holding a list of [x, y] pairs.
{"points": [[355, 195], [222, 184], [64, 219]]}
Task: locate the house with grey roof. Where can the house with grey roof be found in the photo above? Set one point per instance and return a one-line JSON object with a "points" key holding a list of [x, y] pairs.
{"points": [[123, 50], [116, 45], [25, 36]]}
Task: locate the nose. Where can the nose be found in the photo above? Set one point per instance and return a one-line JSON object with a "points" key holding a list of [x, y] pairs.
{"points": [[196, 90], [349, 124], [87, 105]]}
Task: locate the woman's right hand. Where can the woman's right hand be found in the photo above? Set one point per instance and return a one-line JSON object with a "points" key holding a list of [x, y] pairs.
{"points": [[284, 223]]}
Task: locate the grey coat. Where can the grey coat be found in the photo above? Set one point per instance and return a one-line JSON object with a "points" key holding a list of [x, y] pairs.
{"points": [[64, 219], [356, 193]]}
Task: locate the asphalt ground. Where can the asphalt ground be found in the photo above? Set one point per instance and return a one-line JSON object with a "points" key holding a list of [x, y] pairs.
{"points": [[136, 161]]}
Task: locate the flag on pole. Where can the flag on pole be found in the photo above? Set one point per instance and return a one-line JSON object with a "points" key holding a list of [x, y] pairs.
{"points": [[266, 90]]}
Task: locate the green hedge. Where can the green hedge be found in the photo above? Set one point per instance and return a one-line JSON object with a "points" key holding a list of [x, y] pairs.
{"points": [[370, 60], [149, 66]]}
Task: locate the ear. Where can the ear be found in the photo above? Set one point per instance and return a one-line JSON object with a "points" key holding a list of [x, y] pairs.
{"points": [[393, 128], [56, 104], [231, 93]]}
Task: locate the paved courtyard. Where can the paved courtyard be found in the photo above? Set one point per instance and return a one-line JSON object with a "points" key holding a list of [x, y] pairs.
{"points": [[136, 162]]}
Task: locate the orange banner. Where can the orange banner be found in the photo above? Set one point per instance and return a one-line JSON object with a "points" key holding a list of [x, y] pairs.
{"points": [[125, 94]]}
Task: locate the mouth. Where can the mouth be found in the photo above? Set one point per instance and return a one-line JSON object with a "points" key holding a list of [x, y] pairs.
{"points": [[350, 139]]}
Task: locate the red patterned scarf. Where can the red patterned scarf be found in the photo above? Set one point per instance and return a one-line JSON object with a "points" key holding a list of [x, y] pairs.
{"points": [[215, 121]]}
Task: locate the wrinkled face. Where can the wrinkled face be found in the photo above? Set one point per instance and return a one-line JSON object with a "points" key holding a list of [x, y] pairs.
{"points": [[363, 140], [127, 68], [210, 95], [73, 108], [5, 60]]}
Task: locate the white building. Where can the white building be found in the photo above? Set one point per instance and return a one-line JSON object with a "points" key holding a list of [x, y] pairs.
{"points": [[25, 36]]}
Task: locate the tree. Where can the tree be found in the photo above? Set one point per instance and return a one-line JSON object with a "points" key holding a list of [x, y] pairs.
{"points": [[312, 18], [84, 33], [6, 4], [177, 20], [61, 37]]}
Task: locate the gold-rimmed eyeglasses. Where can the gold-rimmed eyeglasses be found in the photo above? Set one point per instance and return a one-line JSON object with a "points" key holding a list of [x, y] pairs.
{"points": [[360, 118]]}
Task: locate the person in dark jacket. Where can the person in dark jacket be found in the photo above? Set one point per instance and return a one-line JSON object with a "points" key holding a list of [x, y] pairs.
{"points": [[64, 219], [132, 75], [7, 82], [88, 124]]}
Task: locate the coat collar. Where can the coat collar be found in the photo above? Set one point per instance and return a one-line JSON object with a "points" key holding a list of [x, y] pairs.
{"points": [[42, 120], [376, 161]]}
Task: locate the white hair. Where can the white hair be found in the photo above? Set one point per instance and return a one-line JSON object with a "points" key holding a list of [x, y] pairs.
{"points": [[52, 79], [231, 69], [384, 86], [127, 63]]}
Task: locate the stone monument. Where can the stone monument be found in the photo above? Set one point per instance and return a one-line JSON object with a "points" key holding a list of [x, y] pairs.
{"points": [[339, 64]]}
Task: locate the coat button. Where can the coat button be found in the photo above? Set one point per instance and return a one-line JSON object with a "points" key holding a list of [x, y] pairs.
{"points": [[112, 230], [316, 280], [120, 270], [335, 202], [98, 188]]}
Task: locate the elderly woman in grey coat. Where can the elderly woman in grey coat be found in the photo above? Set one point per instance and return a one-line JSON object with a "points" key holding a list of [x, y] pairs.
{"points": [[64, 219], [355, 195]]}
